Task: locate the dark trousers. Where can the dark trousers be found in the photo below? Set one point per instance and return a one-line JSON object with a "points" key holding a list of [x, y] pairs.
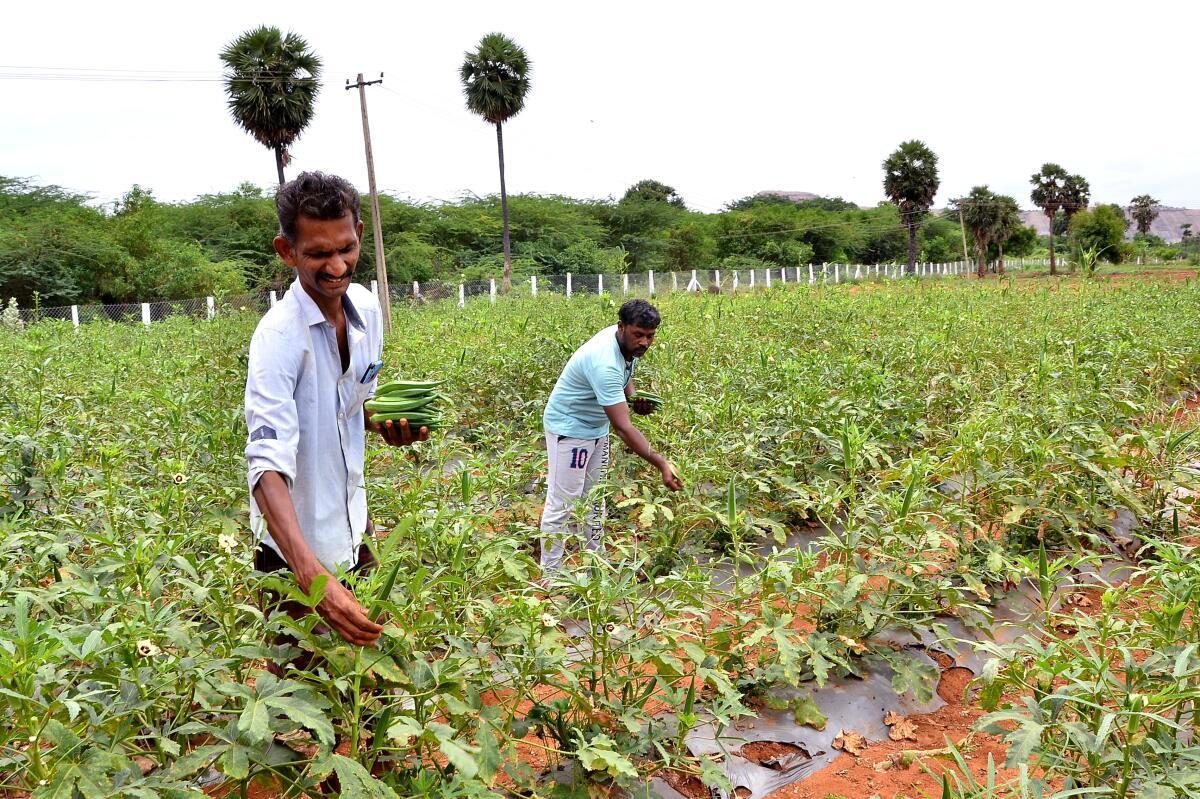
{"points": [[267, 560]]}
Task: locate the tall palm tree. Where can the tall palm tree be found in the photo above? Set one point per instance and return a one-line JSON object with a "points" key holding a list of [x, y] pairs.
{"points": [[272, 82], [1144, 210], [1050, 194], [910, 180], [495, 79], [981, 215], [1007, 222]]}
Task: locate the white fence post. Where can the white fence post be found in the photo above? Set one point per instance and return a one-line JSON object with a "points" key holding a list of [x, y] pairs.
{"points": [[416, 289], [768, 277], [811, 278], [533, 285], [212, 306], [857, 272], [492, 290], [600, 283], [674, 281], [717, 272], [651, 282], [75, 314], [783, 275], [568, 284], [824, 273], [462, 296], [735, 281], [837, 276], [146, 313], [751, 278], [624, 284]]}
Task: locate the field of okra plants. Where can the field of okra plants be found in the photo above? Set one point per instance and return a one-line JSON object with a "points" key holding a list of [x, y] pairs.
{"points": [[945, 443]]}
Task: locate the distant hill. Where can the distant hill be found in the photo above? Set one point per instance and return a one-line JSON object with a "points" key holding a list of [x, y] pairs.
{"points": [[794, 196], [1168, 224]]}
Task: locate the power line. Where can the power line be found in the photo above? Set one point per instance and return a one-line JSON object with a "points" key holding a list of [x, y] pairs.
{"points": [[122, 75]]}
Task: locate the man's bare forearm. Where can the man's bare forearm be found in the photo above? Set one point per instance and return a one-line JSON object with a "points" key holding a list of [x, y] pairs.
{"points": [[638, 445], [275, 502]]}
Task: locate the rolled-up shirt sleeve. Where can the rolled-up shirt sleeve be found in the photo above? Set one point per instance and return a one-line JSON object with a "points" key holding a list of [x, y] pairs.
{"points": [[271, 421]]}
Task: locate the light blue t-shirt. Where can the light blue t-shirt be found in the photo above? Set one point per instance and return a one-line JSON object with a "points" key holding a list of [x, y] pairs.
{"points": [[594, 377]]}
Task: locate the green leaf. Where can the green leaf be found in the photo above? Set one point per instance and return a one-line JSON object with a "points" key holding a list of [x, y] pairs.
{"points": [[194, 760], [456, 706], [60, 736], [1015, 513], [255, 720], [599, 755], [316, 590], [489, 752], [234, 763], [913, 675], [1156, 790], [404, 729], [805, 711], [304, 713], [91, 644], [1022, 741], [460, 757], [714, 776], [357, 782]]}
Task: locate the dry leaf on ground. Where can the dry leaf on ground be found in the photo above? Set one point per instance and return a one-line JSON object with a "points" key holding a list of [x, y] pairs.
{"points": [[850, 742], [900, 728]]}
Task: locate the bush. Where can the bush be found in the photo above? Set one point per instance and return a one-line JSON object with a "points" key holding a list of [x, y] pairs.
{"points": [[1101, 228], [412, 259]]}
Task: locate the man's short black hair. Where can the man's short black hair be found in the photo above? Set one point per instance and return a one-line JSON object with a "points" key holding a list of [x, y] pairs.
{"points": [[317, 196], [640, 313]]}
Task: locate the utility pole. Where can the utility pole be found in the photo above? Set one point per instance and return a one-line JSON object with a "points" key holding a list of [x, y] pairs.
{"points": [[385, 299], [963, 229]]}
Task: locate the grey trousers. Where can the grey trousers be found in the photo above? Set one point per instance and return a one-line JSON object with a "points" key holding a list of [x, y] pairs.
{"points": [[576, 466]]}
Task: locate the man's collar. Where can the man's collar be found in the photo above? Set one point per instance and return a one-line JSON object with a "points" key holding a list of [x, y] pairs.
{"points": [[308, 308], [313, 314]]}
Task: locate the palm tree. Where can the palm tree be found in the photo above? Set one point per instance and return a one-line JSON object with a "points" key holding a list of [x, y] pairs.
{"points": [[1050, 194], [272, 82], [495, 81], [910, 180], [1007, 222], [1144, 210], [1076, 195], [980, 212]]}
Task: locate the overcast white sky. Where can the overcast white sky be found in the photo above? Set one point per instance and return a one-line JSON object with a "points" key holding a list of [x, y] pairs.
{"points": [[719, 100]]}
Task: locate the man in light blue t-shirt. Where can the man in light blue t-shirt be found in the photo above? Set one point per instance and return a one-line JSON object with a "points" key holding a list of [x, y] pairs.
{"points": [[594, 390]]}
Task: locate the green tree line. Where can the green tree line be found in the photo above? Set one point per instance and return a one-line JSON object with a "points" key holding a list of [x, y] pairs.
{"points": [[57, 246]]}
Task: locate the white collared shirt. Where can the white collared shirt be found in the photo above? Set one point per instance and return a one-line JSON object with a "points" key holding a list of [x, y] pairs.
{"points": [[304, 416]]}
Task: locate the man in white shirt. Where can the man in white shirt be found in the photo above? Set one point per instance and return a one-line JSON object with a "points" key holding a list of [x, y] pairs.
{"points": [[313, 363], [595, 389]]}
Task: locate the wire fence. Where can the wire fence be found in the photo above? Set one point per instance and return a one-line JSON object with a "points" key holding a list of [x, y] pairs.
{"points": [[637, 284]]}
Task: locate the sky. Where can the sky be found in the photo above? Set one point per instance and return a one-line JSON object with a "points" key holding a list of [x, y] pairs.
{"points": [[718, 100]]}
